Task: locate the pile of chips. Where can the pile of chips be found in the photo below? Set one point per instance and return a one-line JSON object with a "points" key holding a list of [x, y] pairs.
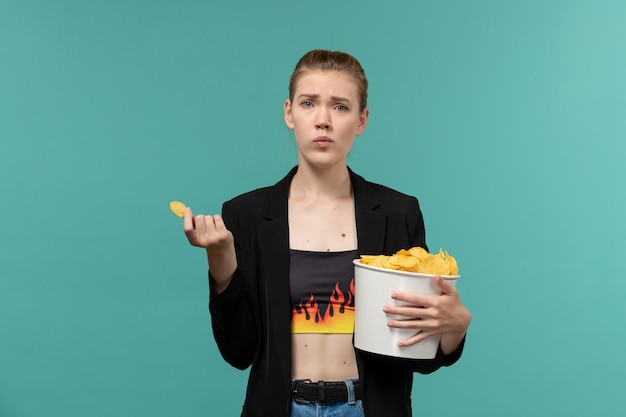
{"points": [[416, 259]]}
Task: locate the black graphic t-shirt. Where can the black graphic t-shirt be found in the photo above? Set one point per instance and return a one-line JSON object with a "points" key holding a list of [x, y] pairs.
{"points": [[322, 291]]}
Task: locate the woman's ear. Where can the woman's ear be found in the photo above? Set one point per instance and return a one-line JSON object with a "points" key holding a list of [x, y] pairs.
{"points": [[363, 118], [287, 114]]}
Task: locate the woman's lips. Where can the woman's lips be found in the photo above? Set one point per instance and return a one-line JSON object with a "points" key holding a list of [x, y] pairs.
{"points": [[322, 140]]}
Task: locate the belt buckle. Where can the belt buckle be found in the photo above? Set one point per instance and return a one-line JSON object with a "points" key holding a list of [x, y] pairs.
{"points": [[295, 381], [294, 389]]}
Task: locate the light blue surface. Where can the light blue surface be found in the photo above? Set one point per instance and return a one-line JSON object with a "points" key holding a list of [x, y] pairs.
{"points": [[506, 119]]}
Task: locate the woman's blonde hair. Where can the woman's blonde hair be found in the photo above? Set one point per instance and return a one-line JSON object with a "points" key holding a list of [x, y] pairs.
{"points": [[321, 59]]}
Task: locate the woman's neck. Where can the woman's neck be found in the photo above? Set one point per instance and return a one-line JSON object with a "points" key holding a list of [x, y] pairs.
{"points": [[321, 184]]}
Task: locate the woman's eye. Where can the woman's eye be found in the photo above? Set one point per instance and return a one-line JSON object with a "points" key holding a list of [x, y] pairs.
{"points": [[341, 107], [307, 104]]}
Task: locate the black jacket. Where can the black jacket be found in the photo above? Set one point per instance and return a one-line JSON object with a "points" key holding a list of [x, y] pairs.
{"points": [[251, 318]]}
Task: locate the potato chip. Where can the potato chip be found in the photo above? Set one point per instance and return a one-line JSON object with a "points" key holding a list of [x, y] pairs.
{"points": [[177, 208], [368, 259], [416, 259], [386, 263], [408, 263], [418, 252], [454, 268], [434, 264], [376, 262]]}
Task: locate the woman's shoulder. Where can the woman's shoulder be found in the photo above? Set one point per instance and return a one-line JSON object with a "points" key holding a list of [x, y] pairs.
{"points": [[272, 197], [385, 190], [383, 193], [250, 198]]}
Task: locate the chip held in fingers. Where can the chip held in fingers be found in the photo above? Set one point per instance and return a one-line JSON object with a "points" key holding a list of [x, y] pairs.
{"points": [[178, 208]]}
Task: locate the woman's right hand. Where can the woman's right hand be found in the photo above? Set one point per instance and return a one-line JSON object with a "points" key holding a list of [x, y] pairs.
{"points": [[210, 233]]}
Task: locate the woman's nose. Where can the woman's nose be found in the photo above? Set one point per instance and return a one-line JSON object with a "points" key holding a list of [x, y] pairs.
{"points": [[323, 120], [322, 124]]}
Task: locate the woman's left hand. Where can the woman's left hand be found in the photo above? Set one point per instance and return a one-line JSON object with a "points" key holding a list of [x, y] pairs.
{"points": [[432, 314]]}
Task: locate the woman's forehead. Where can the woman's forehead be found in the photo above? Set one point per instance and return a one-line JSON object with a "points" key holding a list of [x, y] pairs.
{"points": [[316, 82]]}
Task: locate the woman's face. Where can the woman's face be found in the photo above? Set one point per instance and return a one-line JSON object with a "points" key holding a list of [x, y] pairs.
{"points": [[325, 116]]}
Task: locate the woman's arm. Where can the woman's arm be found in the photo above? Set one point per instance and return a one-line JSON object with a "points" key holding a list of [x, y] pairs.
{"points": [[446, 314], [234, 325], [210, 233]]}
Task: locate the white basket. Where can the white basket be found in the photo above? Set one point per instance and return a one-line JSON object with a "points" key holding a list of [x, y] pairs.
{"points": [[373, 288]]}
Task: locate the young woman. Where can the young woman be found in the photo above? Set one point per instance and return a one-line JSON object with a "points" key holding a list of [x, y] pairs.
{"points": [[281, 273]]}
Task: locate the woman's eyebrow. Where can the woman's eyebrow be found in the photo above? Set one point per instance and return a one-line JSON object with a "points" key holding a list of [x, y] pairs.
{"points": [[342, 99], [333, 98]]}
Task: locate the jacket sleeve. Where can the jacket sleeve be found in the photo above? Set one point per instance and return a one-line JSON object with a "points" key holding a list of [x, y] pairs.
{"points": [[427, 366], [232, 318], [417, 235]]}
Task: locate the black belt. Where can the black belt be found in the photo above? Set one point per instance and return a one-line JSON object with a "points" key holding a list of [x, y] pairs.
{"points": [[323, 392]]}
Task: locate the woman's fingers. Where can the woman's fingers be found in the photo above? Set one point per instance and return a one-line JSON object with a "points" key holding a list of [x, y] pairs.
{"points": [[189, 226], [188, 220], [218, 223], [417, 337], [414, 322], [410, 312], [444, 285], [411, 298], [202, 230], [432, 314]]}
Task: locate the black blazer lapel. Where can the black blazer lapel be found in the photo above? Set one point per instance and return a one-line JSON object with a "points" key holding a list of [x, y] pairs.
{"points": [[274, 249], [371, 226]]}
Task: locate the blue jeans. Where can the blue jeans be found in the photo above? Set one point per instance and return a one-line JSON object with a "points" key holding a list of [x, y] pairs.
{"points": [[307, 409], [351, 408]]}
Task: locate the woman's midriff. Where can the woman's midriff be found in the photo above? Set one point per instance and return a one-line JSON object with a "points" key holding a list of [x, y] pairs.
{"points": [[323, 357]]}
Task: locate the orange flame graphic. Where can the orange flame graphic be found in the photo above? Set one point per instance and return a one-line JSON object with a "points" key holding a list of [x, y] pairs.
{"points": [[307, 317]]}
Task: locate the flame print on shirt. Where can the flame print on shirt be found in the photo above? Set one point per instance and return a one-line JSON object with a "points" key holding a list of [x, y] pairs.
{"points": [[333, 316]]}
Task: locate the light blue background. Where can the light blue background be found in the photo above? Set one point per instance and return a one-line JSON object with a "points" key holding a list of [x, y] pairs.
{"points": [[507, 119]]}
